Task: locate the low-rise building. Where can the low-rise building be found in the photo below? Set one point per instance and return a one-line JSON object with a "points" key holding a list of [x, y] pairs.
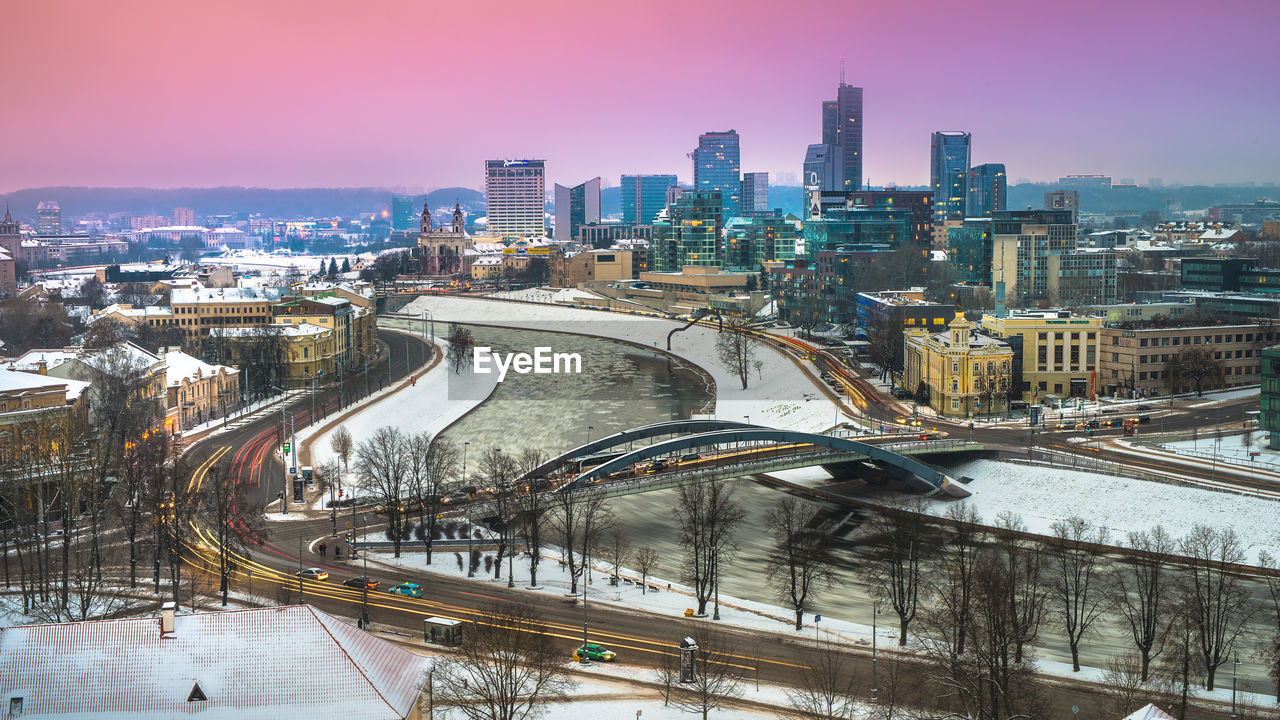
{"points": [[199, 310], [590, 267], [966, 373], [196, 391], [354, 328], [1135, 357], [891, 312], [1058, 351], [31, 403], [1269, 405]]}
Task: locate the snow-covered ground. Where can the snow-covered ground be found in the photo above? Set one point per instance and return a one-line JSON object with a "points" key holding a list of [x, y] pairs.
{"points": [[545, 295], [257, 260], [1043, 495], [779, 394], [1229, 448], [599, 695]]}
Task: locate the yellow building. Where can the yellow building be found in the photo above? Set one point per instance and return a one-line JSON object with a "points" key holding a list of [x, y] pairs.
{"points": [[966, 373], [1059, 351], [199, 310], [198, 392], [31, 404], [354, 328]]}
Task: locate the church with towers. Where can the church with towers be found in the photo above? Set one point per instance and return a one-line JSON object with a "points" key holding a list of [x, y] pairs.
{"points": [[10, 249], [444, 251]]}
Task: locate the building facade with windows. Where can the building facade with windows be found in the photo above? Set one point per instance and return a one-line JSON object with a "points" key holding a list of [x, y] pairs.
{"points": [[717, 167], [1135, 356], [755, 192], [688, 232], [949, 173], [1059, 351], [988, 189], [1269, 404], [751, 242], [1022, 241], [515, 194], [894, 311], [196, 391], [966, 373], [576, 206], [642, 197]]}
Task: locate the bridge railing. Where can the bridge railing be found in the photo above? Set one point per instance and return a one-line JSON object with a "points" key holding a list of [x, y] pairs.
{"points": [[743, 467]]}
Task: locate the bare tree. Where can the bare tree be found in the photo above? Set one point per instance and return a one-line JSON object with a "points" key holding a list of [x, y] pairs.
{"points": [[382, 469], [1271, 645], [506, 670], [896, 574], [1141, 586], [460, 344], [707, 514], [1024, 581], [827, 688], [431, 463], [235, 521], [645, 559], [1125, 689], [534, 501], [884, 342], [800, 561], [574, 516], [500, 470], [953, 584], [717, 677], [735, 349], [341, 444], [617, 546], [1218, 601], [1078, 579], [1193, 368]]}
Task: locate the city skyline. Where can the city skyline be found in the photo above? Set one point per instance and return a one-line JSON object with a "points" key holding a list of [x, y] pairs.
{"points": [[267, 96]]}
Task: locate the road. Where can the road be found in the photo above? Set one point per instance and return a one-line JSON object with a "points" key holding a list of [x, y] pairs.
{"points": [[638, 637]]}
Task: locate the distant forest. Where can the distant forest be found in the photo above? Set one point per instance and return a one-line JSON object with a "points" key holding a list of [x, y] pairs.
{"points": [[350, 202]]}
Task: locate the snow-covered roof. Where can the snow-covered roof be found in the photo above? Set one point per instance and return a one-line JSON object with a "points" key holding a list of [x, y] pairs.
{"points": [[488, 260], [285, 329], [1150, 712], [27, 362], [201, 294], [280, 662], [14, 381], [181, 366]]}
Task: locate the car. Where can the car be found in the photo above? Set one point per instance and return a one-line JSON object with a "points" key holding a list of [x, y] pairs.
{"points": [[594, 652], [1092, 424], [362, 582], [1143, 407], [314, 573], [659, 465], [407, 589], [689, 457], [903, 393]]}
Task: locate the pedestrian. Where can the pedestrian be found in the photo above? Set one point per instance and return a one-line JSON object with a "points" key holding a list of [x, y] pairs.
{"points": [[323, 547]]}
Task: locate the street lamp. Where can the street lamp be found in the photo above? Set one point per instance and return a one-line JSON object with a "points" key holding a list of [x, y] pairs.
{"points": [[471, 570], [589, 429], [1234, 667], [875, 685]]}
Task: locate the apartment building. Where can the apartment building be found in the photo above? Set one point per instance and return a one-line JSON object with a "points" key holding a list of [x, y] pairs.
{"points": [[1135, 356]]}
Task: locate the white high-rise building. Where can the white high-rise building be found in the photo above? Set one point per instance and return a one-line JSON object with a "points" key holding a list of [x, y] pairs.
{"points": [[515, 198]]}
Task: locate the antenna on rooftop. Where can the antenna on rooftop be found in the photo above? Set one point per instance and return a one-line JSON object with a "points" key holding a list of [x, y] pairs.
{"points": [[842, 70]]}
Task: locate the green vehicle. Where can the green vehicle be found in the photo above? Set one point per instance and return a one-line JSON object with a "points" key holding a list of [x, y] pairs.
{"points": [[594, 652], [408, 589]]}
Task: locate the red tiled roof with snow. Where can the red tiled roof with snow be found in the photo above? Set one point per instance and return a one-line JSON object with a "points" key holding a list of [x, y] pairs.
{"points": [[1150, 712], [279, 663]]}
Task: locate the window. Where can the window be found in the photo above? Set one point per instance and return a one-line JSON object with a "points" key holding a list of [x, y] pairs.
{"points": [[1115, 339], [1115, 357], [955, 367], [955, 404], [1142, 342], [1142, 376], [1175, 340]]}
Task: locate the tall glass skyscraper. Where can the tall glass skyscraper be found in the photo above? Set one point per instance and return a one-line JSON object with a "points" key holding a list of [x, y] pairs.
{"points": [[830, 122], [515, 196], [987, 190], [949, 174], [576, 206], [404, 213], [644, 196], [755, 192], [717, 166], [847, 132]]}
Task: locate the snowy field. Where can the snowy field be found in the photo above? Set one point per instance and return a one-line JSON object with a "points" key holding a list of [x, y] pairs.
{"points": [[1230, 448], [545, 295], [1042, 495], [255, 260], [779, 394]]}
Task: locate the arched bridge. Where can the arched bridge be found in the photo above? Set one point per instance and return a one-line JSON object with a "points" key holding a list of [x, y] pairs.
{"points": [[738, 449]]}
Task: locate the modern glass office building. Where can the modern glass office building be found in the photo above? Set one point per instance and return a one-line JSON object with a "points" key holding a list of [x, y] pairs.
{"points": [[860, 226], [1269, 406], [969, 250], [755, 192], [642, 197], [849, 135], [751, 241], [717, 166], [987, 190], [404, 213], [688, 232], [949, 174], [576, 206]]}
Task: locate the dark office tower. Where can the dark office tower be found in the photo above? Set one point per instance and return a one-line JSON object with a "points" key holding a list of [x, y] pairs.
{"points": [[987, 190], [755, 192], [404, 213], [830, 121], [823, 172], [576, 206], [643, 196], [849, 134], [717, 166], [949, 174]]}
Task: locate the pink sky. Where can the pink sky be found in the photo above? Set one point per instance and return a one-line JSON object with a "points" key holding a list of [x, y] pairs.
{"points": [[400, 93]]}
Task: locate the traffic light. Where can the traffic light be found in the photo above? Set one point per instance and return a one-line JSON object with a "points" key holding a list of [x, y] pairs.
{"points": [[286, 447]]}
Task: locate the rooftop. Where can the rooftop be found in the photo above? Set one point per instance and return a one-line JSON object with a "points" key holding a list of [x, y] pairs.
{"points": [[219, 665]]}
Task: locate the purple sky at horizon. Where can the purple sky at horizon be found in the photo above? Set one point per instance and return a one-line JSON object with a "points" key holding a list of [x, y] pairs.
{"points": [[418, 94]]}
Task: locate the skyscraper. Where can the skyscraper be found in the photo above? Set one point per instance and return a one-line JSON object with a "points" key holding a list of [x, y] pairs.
{"points": [[576, 206], [643, 196], [184, 216], [48, 218], [987, 190], [755, 192], [823, 172], [849, 133], [949, 174], [404, 214], [515, 194], [830, 122], [717, 165]]}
